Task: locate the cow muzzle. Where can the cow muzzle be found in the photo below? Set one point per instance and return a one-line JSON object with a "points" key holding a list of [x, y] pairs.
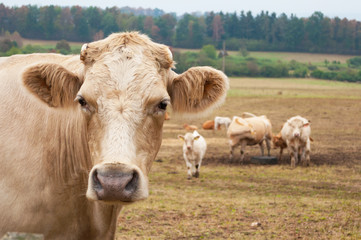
{"points": [[117, 182]]}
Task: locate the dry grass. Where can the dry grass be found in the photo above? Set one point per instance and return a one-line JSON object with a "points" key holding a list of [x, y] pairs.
{"points": [[322, 201], [46, 42]]}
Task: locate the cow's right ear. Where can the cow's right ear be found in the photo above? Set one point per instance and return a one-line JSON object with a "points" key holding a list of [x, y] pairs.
{"points": [[52, 83], [181, 137]]}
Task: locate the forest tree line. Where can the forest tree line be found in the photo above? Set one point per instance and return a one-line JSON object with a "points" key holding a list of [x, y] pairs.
{"points": [[262, 32]]}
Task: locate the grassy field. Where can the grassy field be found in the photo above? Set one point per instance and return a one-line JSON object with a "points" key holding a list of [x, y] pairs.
{"points": [[313, 58], [322, 201]]}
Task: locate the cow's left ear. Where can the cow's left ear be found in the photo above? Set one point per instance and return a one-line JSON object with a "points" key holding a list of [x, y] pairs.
{"points": [[52, 83], [197, 90]]}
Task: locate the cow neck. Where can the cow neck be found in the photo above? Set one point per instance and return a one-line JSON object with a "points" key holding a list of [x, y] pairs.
{"points": [[67, 151]]}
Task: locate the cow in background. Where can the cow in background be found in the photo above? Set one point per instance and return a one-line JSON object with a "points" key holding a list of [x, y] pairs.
{"points": [[194, 149], [68, 167], [219, 121], [189, 127], [296, 132], [208, 125], [249, 131], [278, 142]]}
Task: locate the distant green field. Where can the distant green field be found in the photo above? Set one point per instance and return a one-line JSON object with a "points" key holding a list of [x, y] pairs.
{"points": [[288, 56]]}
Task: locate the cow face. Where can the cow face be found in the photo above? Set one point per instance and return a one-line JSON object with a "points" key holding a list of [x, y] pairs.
{"points": [[297, 126], [189, 139], [125, 90]]}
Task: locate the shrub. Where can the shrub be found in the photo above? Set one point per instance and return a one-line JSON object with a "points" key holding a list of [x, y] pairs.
{"points": [[252, 68], [354, 62], [13, 51], [317, 73], [311, 67], [300, 72], [6, 45], [210, 51], [63, 47], [334, 67], [274, 70]]}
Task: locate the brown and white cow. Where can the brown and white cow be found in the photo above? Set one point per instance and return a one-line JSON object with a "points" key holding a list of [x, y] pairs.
{"points": [[278, 142], [68, 167], [296, 132], [249, 131]]}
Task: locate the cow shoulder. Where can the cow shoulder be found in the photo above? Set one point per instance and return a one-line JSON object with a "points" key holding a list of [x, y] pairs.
{"points": [[52, 83]]}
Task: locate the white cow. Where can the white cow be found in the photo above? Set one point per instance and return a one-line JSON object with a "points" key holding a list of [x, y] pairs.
{"points": [[218, 121], [296, 132], [194, 149]]}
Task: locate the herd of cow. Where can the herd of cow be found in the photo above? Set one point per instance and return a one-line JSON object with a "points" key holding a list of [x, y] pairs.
{"points": [[250, 130]]}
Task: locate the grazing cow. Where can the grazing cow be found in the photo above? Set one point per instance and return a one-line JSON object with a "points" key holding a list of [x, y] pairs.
{"points": [[219, 121], [249, 131], [208, 125], [189, 127], [296, 132], [194, 149], [68, 167]]}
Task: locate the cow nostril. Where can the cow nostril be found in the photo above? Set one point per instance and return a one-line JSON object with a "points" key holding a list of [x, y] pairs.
{"points": [[96, 181], [133, 183]]}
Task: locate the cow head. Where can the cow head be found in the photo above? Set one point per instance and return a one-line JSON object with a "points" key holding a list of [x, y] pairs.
{"points": [[297, 125], [189, 139], [277, 141], [123, 93]]}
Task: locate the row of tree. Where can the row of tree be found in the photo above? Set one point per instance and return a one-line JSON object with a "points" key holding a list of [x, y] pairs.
{"points": [[265, 31]]}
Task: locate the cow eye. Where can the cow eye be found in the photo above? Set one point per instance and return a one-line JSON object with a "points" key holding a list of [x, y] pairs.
{"points": [[163, 105], [82, 101]]}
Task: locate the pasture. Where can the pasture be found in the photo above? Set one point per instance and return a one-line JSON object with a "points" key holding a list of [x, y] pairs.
{"points": [[313, 58], [322, 201]]}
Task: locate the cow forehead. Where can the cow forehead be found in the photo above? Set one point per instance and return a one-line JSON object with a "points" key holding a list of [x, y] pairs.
{"points": [[189, 137], [117, 74], [297, 122]]}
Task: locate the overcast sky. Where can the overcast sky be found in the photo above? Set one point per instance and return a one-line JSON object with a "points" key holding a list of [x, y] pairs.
{"points": [[350, 9]]}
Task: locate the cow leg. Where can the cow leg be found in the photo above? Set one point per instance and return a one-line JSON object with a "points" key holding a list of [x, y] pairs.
{"points": [[268, 143], [281, 152], [189, 169], [197, 171], [303, 156], [231, 147], [198, 167], [308, 150], [261, 147], [243, 147], [293, 151], [194, 171], [215, 126]]}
